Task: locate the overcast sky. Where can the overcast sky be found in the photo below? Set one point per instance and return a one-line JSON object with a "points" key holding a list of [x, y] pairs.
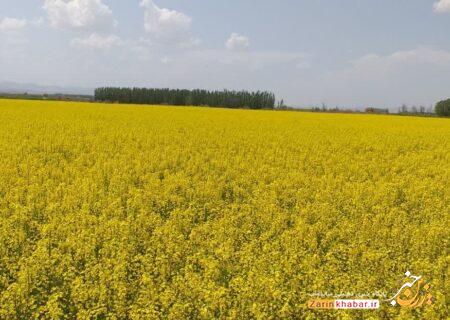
{"points": [[351, 53]]}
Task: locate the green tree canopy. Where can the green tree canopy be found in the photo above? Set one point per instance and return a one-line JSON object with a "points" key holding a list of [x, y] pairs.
{"points": [[443, 108], [180, 97]]}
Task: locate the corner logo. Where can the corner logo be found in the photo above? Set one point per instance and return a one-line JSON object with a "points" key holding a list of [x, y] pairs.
{"points": [[414, 292]]}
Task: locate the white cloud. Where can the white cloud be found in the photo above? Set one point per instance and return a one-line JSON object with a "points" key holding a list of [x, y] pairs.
{"points": [[419, 56], [253, 60], [79, 14], [10, 25], [166, 60], [95, 41], [416, 76], [303, 65], [237, 42], [37, 22], [166, 26], [442, 6]]}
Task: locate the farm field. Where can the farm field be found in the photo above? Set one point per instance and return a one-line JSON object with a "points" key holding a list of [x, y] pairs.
{"points": [[146, 212]]}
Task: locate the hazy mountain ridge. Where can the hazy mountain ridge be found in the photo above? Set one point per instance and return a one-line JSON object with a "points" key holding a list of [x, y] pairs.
{"points": [[31, 88]]}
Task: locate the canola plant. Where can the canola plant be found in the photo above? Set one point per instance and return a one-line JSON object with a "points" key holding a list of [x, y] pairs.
{"points": [[145, 212]]}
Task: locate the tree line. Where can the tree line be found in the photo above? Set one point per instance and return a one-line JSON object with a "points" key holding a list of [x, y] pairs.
{"points": [[441, 109], [184, 97]]}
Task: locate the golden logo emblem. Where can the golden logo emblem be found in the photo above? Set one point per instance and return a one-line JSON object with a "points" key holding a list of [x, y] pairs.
{"points": [[414, 292]]}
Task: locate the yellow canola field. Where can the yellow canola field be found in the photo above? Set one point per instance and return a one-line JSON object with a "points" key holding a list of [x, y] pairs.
{"points": [[146, 212]]}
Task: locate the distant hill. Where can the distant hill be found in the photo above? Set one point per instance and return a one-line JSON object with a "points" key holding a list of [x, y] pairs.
{"points": [[19, 88]]}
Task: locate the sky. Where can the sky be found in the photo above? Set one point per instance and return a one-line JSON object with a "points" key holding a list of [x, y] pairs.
{"points": [[346, 53]]}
